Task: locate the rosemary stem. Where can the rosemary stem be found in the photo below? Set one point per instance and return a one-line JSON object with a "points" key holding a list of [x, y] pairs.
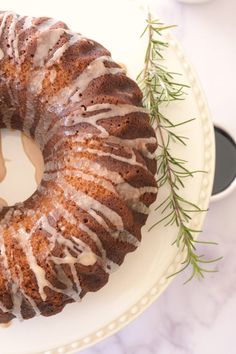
{"points": [[159, 87], [170, 180], [148, 52]]}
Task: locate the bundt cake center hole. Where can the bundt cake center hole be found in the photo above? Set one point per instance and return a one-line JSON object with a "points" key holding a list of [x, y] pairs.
{"points": [[21, 167]]}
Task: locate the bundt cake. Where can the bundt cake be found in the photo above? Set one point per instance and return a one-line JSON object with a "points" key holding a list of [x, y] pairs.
{"points": [[66, 93]]}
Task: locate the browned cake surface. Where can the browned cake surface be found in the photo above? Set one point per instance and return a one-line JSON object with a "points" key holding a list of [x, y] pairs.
{"points": [[65, 92]]}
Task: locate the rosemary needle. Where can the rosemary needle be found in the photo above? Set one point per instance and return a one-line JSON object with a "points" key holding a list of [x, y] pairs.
{"points": [[161, 87]]}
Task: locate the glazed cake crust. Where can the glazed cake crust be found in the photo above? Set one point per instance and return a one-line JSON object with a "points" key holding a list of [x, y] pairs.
{"points": [[65, 92]]}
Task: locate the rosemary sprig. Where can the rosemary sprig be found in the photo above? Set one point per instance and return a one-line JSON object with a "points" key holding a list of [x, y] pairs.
{"points": [[161, 87]]}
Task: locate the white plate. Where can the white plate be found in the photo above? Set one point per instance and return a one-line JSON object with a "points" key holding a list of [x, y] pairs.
{"points": [[143, 275]]}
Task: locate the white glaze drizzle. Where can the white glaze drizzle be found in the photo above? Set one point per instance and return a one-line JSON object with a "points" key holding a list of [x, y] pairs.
{"points": [[99, 219], [1, 54], [39, 272], [88, 203], [13, 97], [70, 121], [77, 246], [46, 41], [16, 294], [125, 190], [129, 160], [2, 307], [11, 34], [30, 300], [124, 235], [111, 267], [28, 23], [34, 87], [4, 261], [139, 144], [43, 139], [95, 69], [95, 239], [113, 110], [4, 19], [17, 301], [81, 175], [24, 239], [65, 213], [60, 51], [92, 212], [57, 102], [71, 219], [52, 75], [46, 24], [35, 83]]}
